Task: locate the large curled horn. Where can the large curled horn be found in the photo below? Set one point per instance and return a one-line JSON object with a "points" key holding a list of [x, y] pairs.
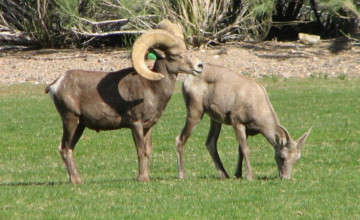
{"points": [[147, 40], [172, 28]]}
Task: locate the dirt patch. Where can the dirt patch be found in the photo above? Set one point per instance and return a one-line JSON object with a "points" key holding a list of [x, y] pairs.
{"points": [[284, 59]]}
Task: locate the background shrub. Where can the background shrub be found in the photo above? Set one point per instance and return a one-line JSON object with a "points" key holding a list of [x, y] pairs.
{"points": [[66, 23]]}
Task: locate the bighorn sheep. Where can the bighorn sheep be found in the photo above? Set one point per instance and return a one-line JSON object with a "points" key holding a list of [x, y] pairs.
{"points": [[232, 99], [132, 98]]}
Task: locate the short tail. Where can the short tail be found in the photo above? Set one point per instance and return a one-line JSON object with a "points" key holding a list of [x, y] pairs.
{"points": [[47, 89]]}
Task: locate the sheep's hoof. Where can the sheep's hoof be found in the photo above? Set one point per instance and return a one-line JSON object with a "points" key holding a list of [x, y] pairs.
{"points": [[223, 175], [238, 175], [76, 181], [182, 176], [249, 177], [143, 178]]}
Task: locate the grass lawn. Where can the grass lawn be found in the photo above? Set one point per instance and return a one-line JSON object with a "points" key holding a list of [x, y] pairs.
{"points": [[325, 181]]}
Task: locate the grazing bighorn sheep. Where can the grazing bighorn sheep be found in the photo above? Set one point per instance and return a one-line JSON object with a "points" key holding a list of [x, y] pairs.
{"points": [[232, 99], [132, 98]]}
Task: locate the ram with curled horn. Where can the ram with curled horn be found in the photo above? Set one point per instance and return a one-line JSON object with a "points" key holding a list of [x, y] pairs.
{"points": [[133, 98]]}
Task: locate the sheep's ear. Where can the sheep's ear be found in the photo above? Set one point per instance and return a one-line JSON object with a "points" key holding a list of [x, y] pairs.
{"points": [[287, 140], [159, 53], [279, 141], [302, 139]]}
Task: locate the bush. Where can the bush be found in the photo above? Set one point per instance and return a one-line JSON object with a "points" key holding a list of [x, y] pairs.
{"points": [[105, 18], [28, 22], [65, 23], [328, 18], [207, 21]]}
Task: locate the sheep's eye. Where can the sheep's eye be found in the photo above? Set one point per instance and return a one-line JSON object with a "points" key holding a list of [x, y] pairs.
{"points": [[175, 56]]}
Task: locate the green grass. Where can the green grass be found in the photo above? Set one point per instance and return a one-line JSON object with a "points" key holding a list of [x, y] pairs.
{"points": [[325, 182]]}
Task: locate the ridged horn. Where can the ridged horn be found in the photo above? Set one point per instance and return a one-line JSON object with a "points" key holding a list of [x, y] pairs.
{"points": [[172, 28], [149, 39]]}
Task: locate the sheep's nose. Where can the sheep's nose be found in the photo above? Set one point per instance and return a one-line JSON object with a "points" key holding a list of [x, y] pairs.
{"points": [[199, 66]]}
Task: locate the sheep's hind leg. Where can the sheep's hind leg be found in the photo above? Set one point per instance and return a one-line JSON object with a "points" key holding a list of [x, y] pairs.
{"points": [[240, 132], [72, 132], [211, 144], [238, 172]]}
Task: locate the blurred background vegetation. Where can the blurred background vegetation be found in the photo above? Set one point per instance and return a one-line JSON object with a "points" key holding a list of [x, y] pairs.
{"points": [[96, 23]]}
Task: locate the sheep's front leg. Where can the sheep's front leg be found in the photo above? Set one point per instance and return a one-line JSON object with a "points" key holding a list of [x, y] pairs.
{"points": [[142, 141], [192, 119], [211, 144], [240, 132]]}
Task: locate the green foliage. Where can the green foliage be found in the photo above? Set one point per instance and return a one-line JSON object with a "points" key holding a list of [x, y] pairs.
{"points": [[98, 10], [324, 183], [217, 21], [342, 16], [335, 6], [61, 23], [34, 18], [69, 12], [96, 17], [262, 8]]}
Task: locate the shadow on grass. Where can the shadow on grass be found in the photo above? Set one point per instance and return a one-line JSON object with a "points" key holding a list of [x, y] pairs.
{"points": [[58, 183], [88, 182], [267, 178], [32, 183], [153, 179], [261, 178]]}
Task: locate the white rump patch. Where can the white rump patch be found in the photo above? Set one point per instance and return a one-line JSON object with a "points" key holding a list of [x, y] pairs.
{"points": [[54, 88]]}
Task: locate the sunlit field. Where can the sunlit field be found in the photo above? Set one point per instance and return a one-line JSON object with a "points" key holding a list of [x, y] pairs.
{"points": [[325, 182]]}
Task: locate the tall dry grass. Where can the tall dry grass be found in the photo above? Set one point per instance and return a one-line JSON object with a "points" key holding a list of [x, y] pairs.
{"points": [[207, 21], [62, 23]]}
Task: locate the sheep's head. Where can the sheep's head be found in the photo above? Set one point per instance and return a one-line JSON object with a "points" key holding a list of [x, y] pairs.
{"points": [[288, 152], [177, 56]]}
